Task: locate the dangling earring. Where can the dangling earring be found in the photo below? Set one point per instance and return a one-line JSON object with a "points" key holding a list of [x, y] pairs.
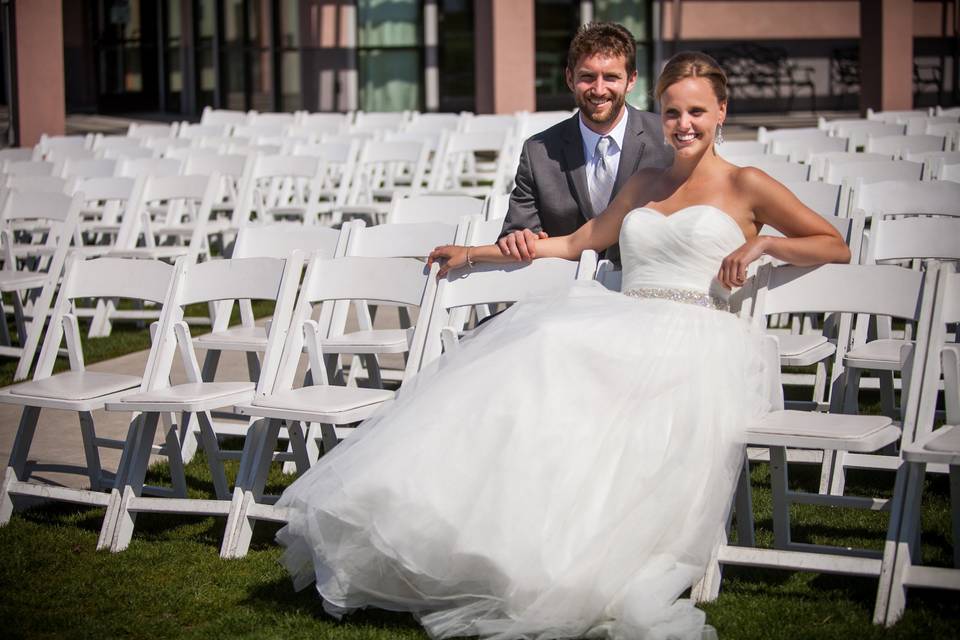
{"points": [[666, 140], [718, 139]]}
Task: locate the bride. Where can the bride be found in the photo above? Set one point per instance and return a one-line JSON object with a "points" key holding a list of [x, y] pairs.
{"points": [[567, 473]]}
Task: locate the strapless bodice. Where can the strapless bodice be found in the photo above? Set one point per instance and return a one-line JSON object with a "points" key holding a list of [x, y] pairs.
{"points": [[682, 250]]}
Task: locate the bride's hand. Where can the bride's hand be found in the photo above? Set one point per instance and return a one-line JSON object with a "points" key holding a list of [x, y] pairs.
{"points": [[733, 269], [452, 256]]}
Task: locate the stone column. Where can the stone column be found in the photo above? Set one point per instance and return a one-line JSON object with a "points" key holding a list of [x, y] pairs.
{"points": [[505, 49], [39, 88], [886, 55]]}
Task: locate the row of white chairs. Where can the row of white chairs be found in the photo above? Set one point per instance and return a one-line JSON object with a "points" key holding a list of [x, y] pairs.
{"points": [[276, 398]]}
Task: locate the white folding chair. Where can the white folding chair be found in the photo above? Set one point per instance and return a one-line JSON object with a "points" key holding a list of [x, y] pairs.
{"points": [[456, 168], [919, 124], [857, 131], [104, 200], [281, 187], [79, 389], [87, 168], [403, 281], [57, 214], [278, 120], [949, 173], [192, 131], [850, 174], [323, 123], [380, 120], [55, 146], [150, 167], [383, 168], [896, 117], [933, 160], [941, 446], [339, 161], [120, 147], [828, 288], [242, 278]]}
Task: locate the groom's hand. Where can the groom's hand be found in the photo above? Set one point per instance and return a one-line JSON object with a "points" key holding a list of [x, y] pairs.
{"points": [[521, 245]]}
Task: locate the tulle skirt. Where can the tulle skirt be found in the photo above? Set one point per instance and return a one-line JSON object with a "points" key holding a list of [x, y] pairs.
{"points": [[566, 473]]}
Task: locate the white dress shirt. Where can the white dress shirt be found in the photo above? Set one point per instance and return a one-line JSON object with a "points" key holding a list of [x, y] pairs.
{"points": [[590, 139]]}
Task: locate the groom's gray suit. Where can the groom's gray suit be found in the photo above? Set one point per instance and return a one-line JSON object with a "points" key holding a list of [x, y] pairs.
{"points": [[551, 192]]}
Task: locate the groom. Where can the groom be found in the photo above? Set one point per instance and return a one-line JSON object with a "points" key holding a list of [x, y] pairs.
{"points": [[569, 172]]}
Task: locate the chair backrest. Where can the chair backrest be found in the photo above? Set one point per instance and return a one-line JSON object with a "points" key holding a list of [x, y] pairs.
{"points": [[27, 168], [280, 240], [899, 145], [433, 208], [492, 283], [16, 154], [858, 131], [137, 130], [896, 117], [324, 122], [919, 124], [800, 149], [872, 171], [784, 171], [379, 120], [933, 160], [412, 240], [279, 120], [55, 206], [732, 148], [88, 168], [382, 163], [147, 280], [191, 131], [949, 173], [150, 167], [821, 197], [845, 288], [456, 156], [916, 237], [228, 117], [766, 136], [39, 183], [428, 122], [751, 159], [484, 231], [490, 123], [820, 160], [906, 197], [532, 123], [405, 281]]}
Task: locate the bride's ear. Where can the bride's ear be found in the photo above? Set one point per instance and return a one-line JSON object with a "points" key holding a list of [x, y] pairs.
{"points": [[722, 112]]}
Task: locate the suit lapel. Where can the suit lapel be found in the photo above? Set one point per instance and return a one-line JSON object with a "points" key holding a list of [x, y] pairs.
{"points": [[632, 149], [575, 169]]}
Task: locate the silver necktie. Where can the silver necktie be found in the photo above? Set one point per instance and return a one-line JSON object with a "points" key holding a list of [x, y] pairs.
{"points": [[602, 177]]}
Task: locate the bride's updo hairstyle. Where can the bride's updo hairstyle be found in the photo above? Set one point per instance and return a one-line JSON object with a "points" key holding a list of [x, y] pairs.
{"points": [[693, 64]]}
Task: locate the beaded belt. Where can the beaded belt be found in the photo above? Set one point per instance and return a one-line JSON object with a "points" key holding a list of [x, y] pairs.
{"points": [[681, 295]]}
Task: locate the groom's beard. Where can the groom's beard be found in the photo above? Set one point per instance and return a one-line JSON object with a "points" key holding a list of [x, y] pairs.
{"points": [[589, 111]]}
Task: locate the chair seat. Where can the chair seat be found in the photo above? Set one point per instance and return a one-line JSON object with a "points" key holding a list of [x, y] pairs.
{"points": [[75, 385], [808, 429], [943, 445], [234, 339], [372, 341], [19, 280], [319, 403], [803, 349], [877, 354], [190, 396]]}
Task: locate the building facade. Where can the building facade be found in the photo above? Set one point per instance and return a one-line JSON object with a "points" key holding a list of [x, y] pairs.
{"points": [[171, 58]]}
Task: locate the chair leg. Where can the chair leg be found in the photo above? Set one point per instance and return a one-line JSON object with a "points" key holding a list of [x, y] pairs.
{"points": [[4, 331], [887, 397], [22, 441], [910, 522], [178, 477], [838, 480], [6, 500], [781, 505], [210, 363], [888, 562], [851, 392], [743, 508], [301, 445], [253, 365], [955, 512], [826, 470], [209, 440], [236, 542], [133, 485], [90, 450]]}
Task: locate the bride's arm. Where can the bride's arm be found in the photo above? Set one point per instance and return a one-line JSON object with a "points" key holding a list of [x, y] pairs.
{"points": [[597, 234], [810, 240]]}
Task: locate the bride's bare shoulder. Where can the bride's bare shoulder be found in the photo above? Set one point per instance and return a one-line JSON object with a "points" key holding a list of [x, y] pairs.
{"points": [[754, 183]]}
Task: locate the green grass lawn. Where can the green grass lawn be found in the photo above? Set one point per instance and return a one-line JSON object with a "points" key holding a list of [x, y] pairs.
{"points": [[172, 583]]}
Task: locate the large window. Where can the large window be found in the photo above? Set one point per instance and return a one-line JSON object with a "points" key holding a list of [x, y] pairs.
{"points": [[555, 21], [457, 71], [635, 15], [389, 54]]}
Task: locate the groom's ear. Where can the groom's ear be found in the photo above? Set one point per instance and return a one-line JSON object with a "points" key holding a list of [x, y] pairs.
{"points": [[568, 76], [631, 80]]}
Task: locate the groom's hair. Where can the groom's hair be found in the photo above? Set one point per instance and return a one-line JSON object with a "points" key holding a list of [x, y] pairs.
{"points": [[606, 38]]}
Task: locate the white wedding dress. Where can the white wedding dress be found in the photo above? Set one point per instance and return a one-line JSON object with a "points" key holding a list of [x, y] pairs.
{"points": [[566, 473]]}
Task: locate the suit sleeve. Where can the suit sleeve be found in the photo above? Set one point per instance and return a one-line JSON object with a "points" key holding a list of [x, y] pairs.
{"points": [[524, 209]]}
